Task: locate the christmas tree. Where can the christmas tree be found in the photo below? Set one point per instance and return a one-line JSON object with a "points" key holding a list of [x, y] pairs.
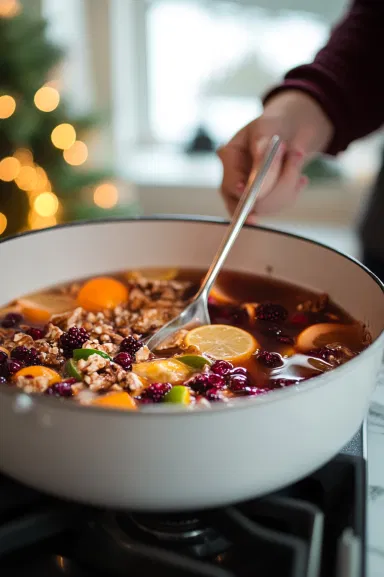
{"points": [[42, 180]]}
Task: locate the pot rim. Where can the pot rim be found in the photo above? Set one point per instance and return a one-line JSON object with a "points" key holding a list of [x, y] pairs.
{"points": [[234, 404]]}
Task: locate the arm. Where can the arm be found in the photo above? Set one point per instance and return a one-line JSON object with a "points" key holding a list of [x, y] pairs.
{"points": [[345, 75]]}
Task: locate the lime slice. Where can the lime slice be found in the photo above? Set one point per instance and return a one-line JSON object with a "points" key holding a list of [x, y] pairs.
{"points": [[85, 353], [194, 361], [71, 370], [179, 395]]}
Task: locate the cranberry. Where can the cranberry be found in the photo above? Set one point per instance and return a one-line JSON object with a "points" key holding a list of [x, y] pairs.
{"points": [[299, 319], [3, 380], [74, 338], [271, 330], [270, 360], [199, 383], [124, 360], [236, 381], [3, 357], [25, 356], [284, 382], [155, 392], [271, 312], [11, 320], [221, 368], [35, 333], [214, 394], [242, 388], [239, 371], [63, 389], [130, 345], [14, 366]]}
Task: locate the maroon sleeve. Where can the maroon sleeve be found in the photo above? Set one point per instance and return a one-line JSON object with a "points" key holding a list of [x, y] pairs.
{"points": [[346, 75]]}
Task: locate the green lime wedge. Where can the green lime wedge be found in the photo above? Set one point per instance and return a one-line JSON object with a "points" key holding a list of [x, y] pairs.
{"points": [[85, 353], [71, 370], [194, 361], [178, 394]]}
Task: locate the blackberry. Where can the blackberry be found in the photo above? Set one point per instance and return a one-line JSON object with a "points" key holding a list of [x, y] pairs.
{"points": [[26, 357], [74, 338], [11, 320], [271, 312], [155, 392], [131, 346], [270, 360]]}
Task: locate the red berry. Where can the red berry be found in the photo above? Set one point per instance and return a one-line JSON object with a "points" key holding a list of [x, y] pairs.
{"points": [[11, 320], [25, 356], [271, 312], [3, 357], [284, 382], [327, 354], [270, 360], [124, 360], [299, 319], [14, 366], [35, 333], [155, 392], [63, 389], [221, 368]]}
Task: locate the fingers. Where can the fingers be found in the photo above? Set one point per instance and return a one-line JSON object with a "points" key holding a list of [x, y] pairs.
{"points": [[286, 188], [237, 163]]}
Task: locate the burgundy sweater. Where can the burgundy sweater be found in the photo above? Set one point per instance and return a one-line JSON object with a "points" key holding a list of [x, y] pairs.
{"points": [[345, 77], [347, 80]]}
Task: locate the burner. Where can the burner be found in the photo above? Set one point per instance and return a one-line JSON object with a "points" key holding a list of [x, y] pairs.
{"points": [[169, 528], [314, 528]]}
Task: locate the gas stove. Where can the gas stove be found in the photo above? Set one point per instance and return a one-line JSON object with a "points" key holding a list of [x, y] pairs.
{"points": [[314, 528]]}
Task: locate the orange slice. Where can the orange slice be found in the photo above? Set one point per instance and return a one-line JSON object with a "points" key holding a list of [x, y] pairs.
{"points": [[39, 371], [38, 308], [152, 273], [118, 400], [102, 293], [163, 371], [320, 335], [222, 342]]}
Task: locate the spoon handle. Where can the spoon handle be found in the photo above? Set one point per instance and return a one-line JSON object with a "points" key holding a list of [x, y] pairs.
{"points": [[240, 215]]}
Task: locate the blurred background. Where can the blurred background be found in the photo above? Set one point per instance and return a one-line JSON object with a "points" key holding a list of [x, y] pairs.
{"points": [[115, 108]]}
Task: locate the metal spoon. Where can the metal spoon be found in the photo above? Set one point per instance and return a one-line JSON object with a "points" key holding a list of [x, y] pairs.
{"points": [[196, 313]]}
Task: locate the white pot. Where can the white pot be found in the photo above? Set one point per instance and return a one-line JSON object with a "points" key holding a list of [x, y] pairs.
{"points": [[179, 459]]}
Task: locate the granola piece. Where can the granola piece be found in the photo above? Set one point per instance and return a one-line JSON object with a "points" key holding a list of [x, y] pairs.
{"points": [[143, 354], [92, 364], [137, 299], [133, 383], [99, 382], [53, 333], [6, 338], [109, 348], [23, 340], [69, 319], [32, 384], [49, 354], [316, 306], [175, 340]]}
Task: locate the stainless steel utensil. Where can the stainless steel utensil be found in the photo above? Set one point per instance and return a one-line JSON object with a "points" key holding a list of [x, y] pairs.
{"points": [[196, 312]]}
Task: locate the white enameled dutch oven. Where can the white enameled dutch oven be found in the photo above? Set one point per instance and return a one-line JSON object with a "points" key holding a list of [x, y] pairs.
{"points": [[169, 460]]}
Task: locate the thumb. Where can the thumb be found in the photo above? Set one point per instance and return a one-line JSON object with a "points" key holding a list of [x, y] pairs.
{"points": [[237, 163]]}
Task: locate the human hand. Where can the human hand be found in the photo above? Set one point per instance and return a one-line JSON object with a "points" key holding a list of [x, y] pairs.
{"points": [[304, 129]]}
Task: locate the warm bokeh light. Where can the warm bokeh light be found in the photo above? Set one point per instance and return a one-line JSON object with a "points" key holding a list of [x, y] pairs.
{"points": [[7, 106], [3, 222], [46, 204], [35, 221], [47, 99], [24, 156], [63, 136], [106, 195], [9, 8], [9, 168], [77, 154], [27, 178], [42, 182]]}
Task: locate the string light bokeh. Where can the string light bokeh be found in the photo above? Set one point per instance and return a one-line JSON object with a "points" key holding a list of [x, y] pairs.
{"points": [[106, 195], [47, 99], [9, 8], [7, 106]]}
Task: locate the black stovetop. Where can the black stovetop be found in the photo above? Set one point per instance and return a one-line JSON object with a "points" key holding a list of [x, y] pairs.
{"points": [[315, 528]]}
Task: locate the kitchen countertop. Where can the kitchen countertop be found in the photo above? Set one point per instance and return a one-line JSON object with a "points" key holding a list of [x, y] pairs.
{"points": [[375, 557]]}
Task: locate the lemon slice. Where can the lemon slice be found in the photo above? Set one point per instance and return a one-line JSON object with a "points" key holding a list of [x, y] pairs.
{"points": [[163, 371], [39, 308], [322, 334], [222, 342]]}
